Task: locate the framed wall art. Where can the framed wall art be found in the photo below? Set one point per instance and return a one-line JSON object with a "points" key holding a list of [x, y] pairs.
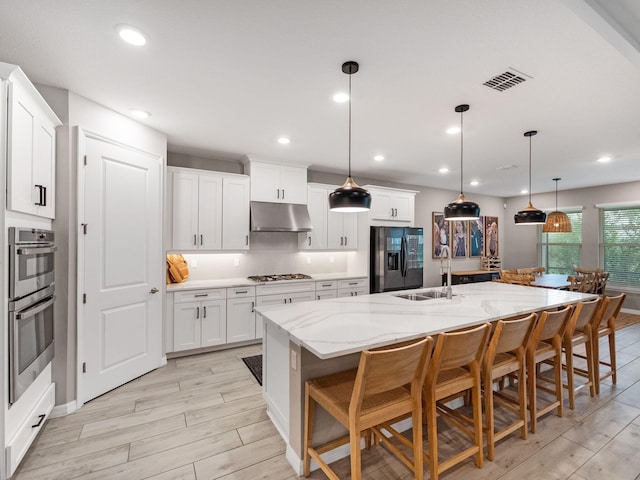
{"points": [[458, 237], [491, 243], [476, 237], [440, 244]]}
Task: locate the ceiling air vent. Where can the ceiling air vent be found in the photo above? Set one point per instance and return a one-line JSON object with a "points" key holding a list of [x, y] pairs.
{"points": [[505, 80]]}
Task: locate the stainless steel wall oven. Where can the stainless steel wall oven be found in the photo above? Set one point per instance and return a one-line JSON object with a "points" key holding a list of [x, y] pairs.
{"points": [[31, 300]]}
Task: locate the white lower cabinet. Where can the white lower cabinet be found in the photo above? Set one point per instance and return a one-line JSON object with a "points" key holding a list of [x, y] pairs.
{"points": [[241, 314], [353, 287], [199, 319], [326, 289]]}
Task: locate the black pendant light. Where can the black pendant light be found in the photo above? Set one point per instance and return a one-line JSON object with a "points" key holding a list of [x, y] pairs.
{"points": [[350, 197], [461, 209], [557, 222], [530, 215]]}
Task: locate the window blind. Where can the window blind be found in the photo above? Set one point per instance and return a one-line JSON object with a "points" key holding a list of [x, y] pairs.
{"points": [[620, 245], [560, 252]]}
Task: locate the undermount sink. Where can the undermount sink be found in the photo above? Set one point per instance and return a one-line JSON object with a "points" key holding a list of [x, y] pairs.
{"points": [[419, 296]]}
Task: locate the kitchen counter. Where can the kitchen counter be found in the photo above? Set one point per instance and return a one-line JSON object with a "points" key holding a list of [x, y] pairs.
{"points": [[243, 281], [311, 339]]}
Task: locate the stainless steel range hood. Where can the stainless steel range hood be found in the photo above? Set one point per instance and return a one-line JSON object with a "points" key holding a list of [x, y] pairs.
{"points": [[279, 217]]}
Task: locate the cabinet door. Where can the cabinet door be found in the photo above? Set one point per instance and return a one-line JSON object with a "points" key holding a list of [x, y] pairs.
{"points": [[302, 297], [381, 205], [185, 211], [209, 212], [265, 182], [318, 207], [186, 325], [326, 294], [335, 230], [350, 230], [235, 213], [402, 207], [293, 184], [44, 167], [214, 323], [241, 319]]}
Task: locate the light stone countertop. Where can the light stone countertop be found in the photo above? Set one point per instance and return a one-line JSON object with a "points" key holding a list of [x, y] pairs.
{"points": [[243, 282], [335, 327]]}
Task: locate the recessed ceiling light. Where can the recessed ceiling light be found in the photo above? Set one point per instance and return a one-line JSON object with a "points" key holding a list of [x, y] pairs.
{"points": [[453, 130], [138, 113], [378, 158], [341, 97], [131, 35], [604, 159], [524, 191], [284, 140], [474, 183], [444, 170]]}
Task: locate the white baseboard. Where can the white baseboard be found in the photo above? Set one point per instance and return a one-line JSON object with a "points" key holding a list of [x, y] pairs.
{"points": [[63, 410], [630, 310]]}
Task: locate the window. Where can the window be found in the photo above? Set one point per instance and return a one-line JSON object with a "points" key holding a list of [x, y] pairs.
{"points": [[620, 245], [560, 252]]}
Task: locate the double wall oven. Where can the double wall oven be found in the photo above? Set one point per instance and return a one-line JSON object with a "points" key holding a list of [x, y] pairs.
{"points": [[31, 299]]}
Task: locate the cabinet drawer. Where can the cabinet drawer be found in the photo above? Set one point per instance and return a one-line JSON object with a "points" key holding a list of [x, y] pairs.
{"points": [[18, 445], [238, 292], [353, 292], [199, 295], [285, 298], [353, 283], [328, 285], [285, 288]]}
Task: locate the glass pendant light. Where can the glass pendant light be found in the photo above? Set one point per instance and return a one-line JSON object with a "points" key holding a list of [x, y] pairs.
{"points": [[350, 197], [557, 222], [461, 209], [530, 215]]}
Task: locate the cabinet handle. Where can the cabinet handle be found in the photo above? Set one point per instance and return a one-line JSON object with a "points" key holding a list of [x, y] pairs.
{"points": [[253, 306], [353, 283], [355, 294], [341, 240], [197, 312], [204, 312], [278, 193], [40, 420], [351, 293], [246, 240], [290, 301], [195, 239], [242, 291], [318, 297], [346, 240], [201, 295], [326, 284], [309, 241], [154, 290], [41, 196], [283, 193], [44, 196], [201, 239], [284, 300]]}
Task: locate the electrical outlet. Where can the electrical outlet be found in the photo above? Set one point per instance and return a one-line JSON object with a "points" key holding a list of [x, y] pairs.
{"points": [[294, 360], [332, 260], [308, 260], [236, 262], [194, 262]]}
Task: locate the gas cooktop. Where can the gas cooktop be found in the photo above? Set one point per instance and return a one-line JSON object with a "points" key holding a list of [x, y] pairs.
{"points": [[280, 276]]}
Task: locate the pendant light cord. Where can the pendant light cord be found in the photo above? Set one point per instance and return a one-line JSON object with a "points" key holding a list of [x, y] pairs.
{"points": [[350, 74], [530, 170], [461, 151], [556, 180]]}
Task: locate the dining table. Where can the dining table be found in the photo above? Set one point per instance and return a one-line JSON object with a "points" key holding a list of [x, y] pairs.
{"points": [[558, 281]]}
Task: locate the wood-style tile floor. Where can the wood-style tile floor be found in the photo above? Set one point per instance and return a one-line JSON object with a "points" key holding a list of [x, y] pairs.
{"points": [[203, 417]]}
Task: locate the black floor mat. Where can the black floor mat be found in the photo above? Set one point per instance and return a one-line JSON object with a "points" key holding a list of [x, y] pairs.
{"points": [[254, 364]]}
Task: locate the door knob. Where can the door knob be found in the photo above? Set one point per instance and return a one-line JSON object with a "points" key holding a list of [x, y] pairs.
{"points": [[154, 290]]}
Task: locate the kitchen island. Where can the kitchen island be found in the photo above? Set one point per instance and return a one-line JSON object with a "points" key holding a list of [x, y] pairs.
{"points": [[306, 340]]}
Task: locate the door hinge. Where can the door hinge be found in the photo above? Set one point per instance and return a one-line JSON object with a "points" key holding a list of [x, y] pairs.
{"points": [[84, 367], [85, 160], [84, 228], [84, 298]]}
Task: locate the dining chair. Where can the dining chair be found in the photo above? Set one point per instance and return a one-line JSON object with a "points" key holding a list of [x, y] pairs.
{"points": [[387, 384], [505, 355], [603, 278], [606, 327], [586, 283], [545, 345], [454, 370], [580, 331]]}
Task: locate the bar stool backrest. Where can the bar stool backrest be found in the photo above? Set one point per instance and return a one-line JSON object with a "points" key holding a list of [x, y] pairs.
{"points": [[610, 309], [583, 315]]}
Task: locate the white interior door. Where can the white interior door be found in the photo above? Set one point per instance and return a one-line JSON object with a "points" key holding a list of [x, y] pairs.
{"points": [[121, 332]]}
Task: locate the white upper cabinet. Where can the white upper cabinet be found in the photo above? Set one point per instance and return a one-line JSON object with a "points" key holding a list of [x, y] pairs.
{"points": [[209, 211], [31, 146], [277, 183], [331, 230], [391, 205], [235, 213]]}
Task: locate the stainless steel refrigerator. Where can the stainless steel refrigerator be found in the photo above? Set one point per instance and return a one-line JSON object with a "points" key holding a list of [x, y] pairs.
{"points": [[396, 258]]}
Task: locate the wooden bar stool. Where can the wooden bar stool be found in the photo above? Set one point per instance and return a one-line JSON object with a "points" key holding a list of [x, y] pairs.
{"points": [[455, 369], [365, 397], [579, 331], [506, 356], [545, 345], [606, 328]]}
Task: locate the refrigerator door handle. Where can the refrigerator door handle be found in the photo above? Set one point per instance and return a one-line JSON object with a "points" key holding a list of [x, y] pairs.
{"points": [[403, 257]]}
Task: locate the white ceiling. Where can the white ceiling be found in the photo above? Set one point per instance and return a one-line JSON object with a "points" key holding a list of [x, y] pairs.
{"points": [[227, 78]]}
